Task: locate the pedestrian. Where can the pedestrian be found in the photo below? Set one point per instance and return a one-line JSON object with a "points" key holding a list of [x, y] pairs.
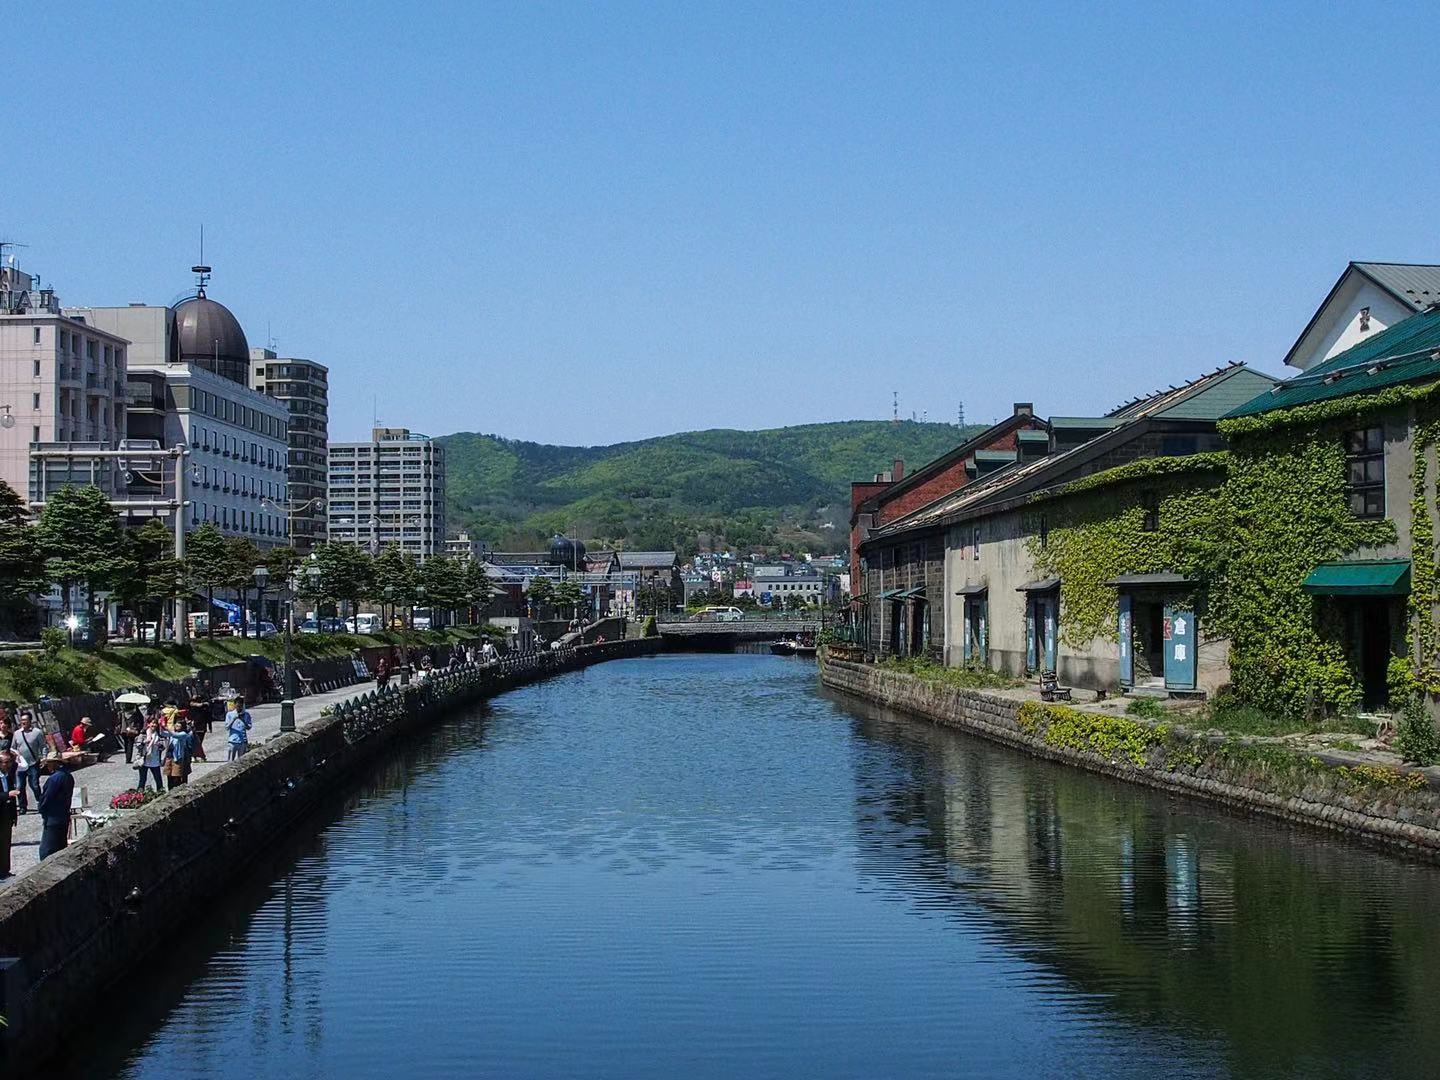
{"points": [[237, 727], [200, 710], [178, 753], [54, 807], [131, 728], [5, 730], [28, 745], [382, 673], [152, 754], [9, 794]]}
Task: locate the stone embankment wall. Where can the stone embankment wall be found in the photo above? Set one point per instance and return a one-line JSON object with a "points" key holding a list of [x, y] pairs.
{"points": [[86, 917], [1399, 808]]}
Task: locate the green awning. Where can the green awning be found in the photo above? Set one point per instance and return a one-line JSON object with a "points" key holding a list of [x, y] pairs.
{"points": [[904, 594], [1383, 577], [893, 594]]}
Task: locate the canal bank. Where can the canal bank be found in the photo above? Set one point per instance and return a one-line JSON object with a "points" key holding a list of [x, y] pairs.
{"points": [[88, 916], [1399, 809]]}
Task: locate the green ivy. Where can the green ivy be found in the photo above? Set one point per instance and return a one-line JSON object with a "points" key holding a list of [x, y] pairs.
{"points": [[1113, 737], [1092, 540]]}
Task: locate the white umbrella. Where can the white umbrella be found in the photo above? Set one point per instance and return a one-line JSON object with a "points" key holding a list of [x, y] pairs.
{"points": [[132, 697]]}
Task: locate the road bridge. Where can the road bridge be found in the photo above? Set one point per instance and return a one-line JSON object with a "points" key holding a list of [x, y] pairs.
{"points": [[749, 629]]}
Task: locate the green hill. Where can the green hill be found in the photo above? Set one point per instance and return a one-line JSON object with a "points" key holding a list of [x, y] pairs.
{"points": [[697, 489]]}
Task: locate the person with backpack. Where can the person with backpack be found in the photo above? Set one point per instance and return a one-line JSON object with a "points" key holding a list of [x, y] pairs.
{"points": [[237, 728]]}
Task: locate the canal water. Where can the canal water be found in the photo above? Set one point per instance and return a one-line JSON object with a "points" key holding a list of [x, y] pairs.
{"points": [[703, 866]]}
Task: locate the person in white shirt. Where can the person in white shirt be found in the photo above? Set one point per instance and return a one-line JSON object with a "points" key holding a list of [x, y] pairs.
{"points": [[27, 743]]}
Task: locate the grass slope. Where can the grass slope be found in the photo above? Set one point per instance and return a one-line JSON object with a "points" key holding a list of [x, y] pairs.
{"points": [[695, 489]]}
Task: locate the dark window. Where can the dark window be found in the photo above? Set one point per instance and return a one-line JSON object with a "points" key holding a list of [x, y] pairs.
{"points": [[1365, 472], [1151, 521]]}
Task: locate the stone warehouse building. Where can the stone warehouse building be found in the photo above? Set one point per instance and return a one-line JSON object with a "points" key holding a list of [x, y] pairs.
{"points": [[958, 578]]}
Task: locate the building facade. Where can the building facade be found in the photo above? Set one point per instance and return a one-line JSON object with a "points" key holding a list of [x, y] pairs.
{"points": [[62, 384], [304, 388], [187, 384], [388, 492]]}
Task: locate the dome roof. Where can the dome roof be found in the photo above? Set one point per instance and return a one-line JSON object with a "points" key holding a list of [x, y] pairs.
{"points": [[210, 337], [566, 552]]}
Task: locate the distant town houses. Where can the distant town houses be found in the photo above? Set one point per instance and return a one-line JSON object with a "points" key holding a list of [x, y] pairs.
{"points": [[1234, 532]]}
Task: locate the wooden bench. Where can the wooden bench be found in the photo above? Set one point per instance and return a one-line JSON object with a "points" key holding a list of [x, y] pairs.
{"points": [[1050, 688]]}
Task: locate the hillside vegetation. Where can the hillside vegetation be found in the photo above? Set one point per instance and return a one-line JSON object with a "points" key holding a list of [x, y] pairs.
{"points": [[694, 490]]}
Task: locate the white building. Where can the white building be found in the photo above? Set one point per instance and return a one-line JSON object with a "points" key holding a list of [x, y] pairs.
{"points": [[466, 547], [1367, 298], [388, 492], [187, 383], [62, 384]]}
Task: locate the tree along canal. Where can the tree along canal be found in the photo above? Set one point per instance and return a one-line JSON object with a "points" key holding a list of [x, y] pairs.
{"points": [[703, 866]]}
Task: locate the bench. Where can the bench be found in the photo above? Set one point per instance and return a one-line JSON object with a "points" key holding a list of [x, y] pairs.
{"points": [[1050, 688]]}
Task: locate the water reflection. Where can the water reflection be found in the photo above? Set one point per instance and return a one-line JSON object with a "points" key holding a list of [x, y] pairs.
{"points": [[700, 865]]}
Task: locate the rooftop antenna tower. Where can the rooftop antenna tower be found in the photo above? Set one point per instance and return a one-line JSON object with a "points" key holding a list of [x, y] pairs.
{"points": [[960, 414], [7, 281], [200, 270], [894, 406]]}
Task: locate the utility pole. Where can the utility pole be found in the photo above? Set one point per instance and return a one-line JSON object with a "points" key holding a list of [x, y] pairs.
{"points": [[182, 603]]}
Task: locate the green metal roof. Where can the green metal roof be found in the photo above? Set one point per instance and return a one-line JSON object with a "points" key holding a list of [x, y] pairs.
{"points": [[1086, 423], [994, 455], [1403, 353], [1388, 577], [1031, 435]]}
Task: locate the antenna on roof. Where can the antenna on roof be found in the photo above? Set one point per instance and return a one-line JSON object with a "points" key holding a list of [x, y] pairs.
{"points": [[960, 414], [200, 269]]}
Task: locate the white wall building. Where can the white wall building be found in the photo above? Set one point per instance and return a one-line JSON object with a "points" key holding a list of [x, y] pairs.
{"points": [[388, 492], [188, 368], [304, 388], [1366, 299]]}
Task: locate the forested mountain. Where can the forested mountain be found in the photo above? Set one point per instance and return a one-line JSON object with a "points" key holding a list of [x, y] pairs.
{"points": [[785, 487]]}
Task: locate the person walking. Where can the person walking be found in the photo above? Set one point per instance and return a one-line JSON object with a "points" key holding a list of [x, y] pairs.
{"points": [[131, 729], [9, 793], [178, 753], [237, 727], [28, 746], [151, 749], [382, 673], [5, 730], [54, 809]]}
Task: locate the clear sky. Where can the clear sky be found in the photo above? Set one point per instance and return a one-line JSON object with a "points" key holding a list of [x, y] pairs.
{"points": [[592, 222]]}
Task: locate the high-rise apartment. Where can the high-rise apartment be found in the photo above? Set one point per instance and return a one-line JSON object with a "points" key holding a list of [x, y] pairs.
{"points": [[388, 492], [304, 387]]}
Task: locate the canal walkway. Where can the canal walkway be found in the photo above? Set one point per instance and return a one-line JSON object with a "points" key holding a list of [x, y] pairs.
{"points": [[108, 778]]}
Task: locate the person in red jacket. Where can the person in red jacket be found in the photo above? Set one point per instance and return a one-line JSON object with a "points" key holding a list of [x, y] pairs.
{"points": [[81, 733]]}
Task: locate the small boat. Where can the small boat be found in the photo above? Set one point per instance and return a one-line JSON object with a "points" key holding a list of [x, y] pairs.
{"points": [[783, 647]]}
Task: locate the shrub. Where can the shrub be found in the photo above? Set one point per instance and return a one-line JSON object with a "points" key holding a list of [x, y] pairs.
{"points": [[56, 669], [1145, 707]]}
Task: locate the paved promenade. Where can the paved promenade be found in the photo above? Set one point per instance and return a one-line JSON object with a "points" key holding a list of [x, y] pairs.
{"points": [[112, 776]]}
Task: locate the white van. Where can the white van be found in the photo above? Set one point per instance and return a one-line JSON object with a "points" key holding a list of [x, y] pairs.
{"points": [[367, 622]]}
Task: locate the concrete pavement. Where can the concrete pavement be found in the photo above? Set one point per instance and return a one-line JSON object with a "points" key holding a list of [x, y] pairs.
{"points": [[108, 778]]}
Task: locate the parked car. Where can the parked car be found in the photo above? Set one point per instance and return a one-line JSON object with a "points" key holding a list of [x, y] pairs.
{"points": [[332, 626], [310, 626], [422, 622]]}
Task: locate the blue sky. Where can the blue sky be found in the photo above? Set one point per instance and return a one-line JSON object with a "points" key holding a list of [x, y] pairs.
{"points": [[585, 223]]}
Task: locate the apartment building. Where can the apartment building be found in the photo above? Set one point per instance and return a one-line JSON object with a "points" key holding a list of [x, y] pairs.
{"points": [[388, 492], [62, 386], [304, 388]]}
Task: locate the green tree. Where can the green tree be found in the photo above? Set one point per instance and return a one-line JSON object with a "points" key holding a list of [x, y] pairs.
{"points": [[242, 557], [568, 594], [395, 577], [479, 590], [22, 570], [159, 576], [444, 581], [346, 573], [207, 558], [80, 537], [540, 592]]}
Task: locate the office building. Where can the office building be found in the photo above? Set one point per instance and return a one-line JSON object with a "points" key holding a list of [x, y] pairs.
{"points": [[388, 492], [304, 388], [187, 378]]}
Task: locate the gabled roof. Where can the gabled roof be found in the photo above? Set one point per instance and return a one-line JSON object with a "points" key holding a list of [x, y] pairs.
{"points": [[1415, 285], [958, 454], [1407, 352], [1024, 477]]}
